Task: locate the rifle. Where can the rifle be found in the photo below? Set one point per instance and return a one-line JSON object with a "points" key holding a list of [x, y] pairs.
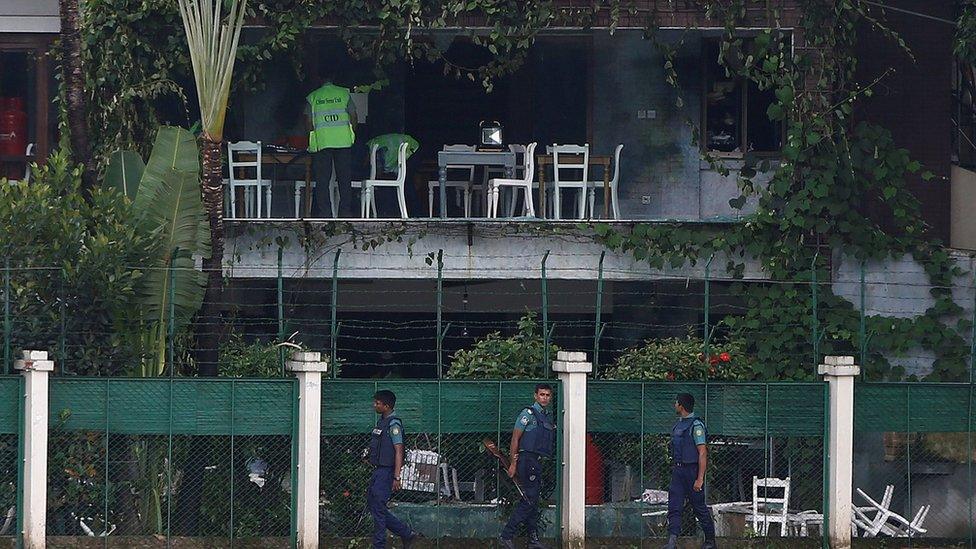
{"points": [[503, 461]]}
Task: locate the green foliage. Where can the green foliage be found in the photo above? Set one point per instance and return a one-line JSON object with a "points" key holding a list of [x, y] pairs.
{"points": [[256, 359], [124, 172], [519, 356], [72, 263], [965, 46], [683, 359]]}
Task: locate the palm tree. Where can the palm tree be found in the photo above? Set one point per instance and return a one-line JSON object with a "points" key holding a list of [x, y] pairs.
{"points": [[213, 49], [74, 83]]}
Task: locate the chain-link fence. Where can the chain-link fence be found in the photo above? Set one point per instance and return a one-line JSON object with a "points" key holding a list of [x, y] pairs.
{"points": [[755, 431], [140, 462], [453, 491], [419, 322], [913, 463], [10, 452]]}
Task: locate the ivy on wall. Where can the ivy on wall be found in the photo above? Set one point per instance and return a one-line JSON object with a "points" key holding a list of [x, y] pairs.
{"points": [[840, 191]]}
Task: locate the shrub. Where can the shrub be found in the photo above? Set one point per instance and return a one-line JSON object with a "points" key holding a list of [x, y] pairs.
{"points": [[519, 356], [682, 359]]}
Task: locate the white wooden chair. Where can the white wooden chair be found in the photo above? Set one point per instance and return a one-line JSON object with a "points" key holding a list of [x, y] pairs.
{"points": [[574, 159], [369, 186], [597, 186], [27, 166], [373, 151], [524, 183], [246, 175], [766, 508], [464, 186], [886, 521]]}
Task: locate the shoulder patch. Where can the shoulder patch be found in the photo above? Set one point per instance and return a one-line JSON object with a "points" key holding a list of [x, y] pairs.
{"points": [[395, 429], [524, 420]]}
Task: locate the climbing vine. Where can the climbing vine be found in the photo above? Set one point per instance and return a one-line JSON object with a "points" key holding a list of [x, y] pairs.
{"points": [[839, 192]]}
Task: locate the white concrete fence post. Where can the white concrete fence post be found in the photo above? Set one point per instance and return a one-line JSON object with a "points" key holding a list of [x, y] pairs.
{"points": [[308, 368], [572, 369], [36, 368], [839, 372]]}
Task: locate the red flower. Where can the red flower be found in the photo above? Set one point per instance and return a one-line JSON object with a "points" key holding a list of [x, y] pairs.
{"points": [[713, 360], [670, 376], [346, 493], [725, 357]]}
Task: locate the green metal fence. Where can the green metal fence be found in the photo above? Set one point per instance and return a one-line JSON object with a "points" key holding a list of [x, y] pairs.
{"points": [[469, 499], [147, 461], [917, 438], [11, 471], [763, 430]]}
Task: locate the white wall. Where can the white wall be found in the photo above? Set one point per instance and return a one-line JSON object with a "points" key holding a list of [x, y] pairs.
{"points": [[29, 16]]}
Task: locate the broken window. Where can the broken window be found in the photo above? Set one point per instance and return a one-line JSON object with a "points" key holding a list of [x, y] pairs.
{"points": [[735, 119]]}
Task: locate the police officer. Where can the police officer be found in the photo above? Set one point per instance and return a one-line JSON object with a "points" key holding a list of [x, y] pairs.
{"points": [[331, 120], [533, 439], [386, 457], [689, 453]]}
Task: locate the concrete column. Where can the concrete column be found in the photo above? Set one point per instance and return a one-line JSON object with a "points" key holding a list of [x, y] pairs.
{"points": [[308, 368], [572, 368], [35, 367], [839, 372]]}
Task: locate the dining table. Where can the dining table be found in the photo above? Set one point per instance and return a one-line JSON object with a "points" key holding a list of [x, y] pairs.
{"points": [[543, 161], [445, 159]]}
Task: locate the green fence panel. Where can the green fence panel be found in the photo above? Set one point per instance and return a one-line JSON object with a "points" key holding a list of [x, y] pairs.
{"points": [[200, 407], [425, 406], [916, 407], [739, 409], [9, 413]]}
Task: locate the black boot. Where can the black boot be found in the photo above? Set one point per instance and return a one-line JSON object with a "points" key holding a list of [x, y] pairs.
{"points": [[506, 543], [709, 544], [534, 542], [672, 542]]}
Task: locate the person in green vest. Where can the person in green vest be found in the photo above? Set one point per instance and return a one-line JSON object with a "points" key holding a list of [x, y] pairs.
{"points": [[331, 119]]}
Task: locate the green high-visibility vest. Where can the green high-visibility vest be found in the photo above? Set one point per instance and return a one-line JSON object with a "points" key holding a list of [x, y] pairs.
{"points": [[331, 125]]}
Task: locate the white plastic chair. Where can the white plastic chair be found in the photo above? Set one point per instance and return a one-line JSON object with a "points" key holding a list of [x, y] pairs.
{"points": [[524, 183], [246, 175], [574, 159], [493, 172], [768, 509], [597, 186], [464, 186], [368, 198]]}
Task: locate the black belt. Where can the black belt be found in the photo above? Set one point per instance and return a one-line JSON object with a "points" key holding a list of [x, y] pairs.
{"points": [[694, 463], [534, 454]]}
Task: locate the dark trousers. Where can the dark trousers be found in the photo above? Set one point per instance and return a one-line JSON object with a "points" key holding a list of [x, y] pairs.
{"points": [[529, 473], [380, 489], [683, 488], [322, 163]]}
